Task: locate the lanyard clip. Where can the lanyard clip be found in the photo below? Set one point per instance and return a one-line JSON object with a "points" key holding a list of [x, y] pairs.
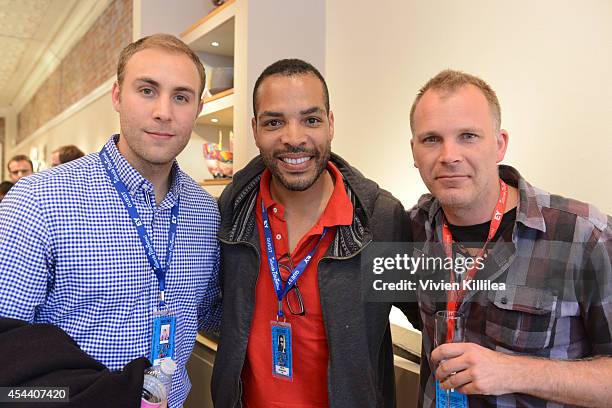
{"points": [[280, 314], [162, 299]]}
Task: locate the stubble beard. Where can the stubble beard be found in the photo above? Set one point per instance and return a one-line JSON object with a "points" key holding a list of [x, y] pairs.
{"points": [[465, 200], [149, 154], [303, 183]]}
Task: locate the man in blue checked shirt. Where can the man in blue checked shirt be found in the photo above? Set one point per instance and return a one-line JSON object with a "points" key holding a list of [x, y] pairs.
{"points": [[119, 245]]}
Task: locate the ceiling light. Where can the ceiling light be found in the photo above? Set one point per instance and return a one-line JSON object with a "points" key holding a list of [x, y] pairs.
{"points": [[215, 43], [214, 120]]}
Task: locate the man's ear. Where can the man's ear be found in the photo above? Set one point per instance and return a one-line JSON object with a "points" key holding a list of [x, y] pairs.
{"points": [[200, 106], [116, 96], [255, 134], [502, 144]]}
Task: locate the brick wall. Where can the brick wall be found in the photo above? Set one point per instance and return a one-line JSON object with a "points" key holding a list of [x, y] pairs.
{"points": [[91, 61]]}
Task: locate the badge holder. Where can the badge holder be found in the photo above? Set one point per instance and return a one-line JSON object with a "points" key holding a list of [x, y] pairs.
{"points": [[282, 350], [457, 400], [164, 331]]}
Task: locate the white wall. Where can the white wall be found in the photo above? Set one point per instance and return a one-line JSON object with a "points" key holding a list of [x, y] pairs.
{"points": [[267, 31], [161, 16], [549, 61], [89, 128]]}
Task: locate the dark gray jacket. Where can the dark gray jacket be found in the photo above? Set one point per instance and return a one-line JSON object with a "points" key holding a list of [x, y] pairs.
{"points": [[360, 369]]}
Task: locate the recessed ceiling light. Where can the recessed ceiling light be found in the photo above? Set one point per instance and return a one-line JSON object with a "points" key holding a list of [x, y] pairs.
{"points": [[214, 120], [215, 43]]}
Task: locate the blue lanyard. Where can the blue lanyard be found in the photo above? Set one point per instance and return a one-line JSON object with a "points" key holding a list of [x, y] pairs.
{"points": [[273, 263], [147, 244]]}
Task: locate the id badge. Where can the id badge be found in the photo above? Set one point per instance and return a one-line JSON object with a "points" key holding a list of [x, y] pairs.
{"points": [[457, 400], [162, 343], [282, 351]]}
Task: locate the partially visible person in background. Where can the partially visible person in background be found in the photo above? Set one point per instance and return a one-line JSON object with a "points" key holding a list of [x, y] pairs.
{"points": [[20, 166], [5, 186], [65, 154]]}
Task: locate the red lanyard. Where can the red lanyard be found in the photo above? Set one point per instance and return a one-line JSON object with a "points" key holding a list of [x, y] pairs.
{"points": [[456, 296]]}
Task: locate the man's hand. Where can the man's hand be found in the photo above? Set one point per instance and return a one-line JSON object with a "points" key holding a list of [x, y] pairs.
{"points": [[473, 369], [479, 370]]}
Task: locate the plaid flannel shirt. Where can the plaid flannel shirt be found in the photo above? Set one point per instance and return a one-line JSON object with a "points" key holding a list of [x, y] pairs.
{"points": [[558, 298]]}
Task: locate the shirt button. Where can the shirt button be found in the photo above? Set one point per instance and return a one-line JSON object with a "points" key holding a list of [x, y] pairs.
{"points": [[278, 237], [274, 210]]}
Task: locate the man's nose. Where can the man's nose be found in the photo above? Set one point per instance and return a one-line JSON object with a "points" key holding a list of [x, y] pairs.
{"points": [[450, 152], [162, 109], [293, 134]]}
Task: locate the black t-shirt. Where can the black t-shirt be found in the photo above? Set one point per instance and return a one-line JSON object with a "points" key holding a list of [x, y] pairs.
{"points": [[477, 234], [469, 240]]}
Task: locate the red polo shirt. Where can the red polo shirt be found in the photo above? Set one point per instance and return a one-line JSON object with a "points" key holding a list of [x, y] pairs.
{"points": [[310, 353]]}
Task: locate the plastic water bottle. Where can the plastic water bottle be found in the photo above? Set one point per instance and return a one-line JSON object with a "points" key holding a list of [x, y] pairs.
{"points": [[166, 370], [154, 393]]}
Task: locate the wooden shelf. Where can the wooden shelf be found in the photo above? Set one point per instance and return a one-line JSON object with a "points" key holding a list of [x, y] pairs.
{"points": [[216, 182], [206, 342], [218, 102], [408, 339], [219, 95], [215, 26], [220, 107]]}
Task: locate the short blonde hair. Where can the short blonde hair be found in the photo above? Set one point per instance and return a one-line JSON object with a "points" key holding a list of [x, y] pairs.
{"points": [[449, 81], [166, 42]]}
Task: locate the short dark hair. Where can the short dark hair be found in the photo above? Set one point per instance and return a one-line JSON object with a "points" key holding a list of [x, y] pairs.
{"points": [[68, 153], [5, 186], [20, 157], [290, 67]]}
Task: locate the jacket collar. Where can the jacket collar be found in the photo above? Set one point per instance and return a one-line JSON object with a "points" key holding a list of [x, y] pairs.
{"points": [[238, 203]]}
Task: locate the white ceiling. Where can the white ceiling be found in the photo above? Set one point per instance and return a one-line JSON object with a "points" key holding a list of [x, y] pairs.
{"points": [[34, 36]]}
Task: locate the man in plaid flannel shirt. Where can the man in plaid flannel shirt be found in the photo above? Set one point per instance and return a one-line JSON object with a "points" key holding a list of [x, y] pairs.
{"points": [[545, 340]]}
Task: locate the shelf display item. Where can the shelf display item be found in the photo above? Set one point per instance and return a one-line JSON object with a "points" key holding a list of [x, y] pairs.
{"points": [[219, 162], [221, 79], [226, 163]]}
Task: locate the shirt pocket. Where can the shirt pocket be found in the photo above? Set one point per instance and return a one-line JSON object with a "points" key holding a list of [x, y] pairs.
{"points": [[520, 318]]}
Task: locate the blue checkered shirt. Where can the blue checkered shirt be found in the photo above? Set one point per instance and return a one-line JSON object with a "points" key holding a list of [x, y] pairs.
{"points": [[70, 255]]}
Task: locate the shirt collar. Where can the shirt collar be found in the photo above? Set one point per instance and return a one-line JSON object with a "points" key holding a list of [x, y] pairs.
{"points": [[529, 210], [135, 182], [339, 209]]}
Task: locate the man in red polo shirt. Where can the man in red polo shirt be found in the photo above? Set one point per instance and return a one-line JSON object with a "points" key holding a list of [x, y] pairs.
{"points": [[295, 332]]}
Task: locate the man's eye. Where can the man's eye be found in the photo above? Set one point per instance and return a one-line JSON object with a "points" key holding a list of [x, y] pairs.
{"points": [[313, 121], [146, 91], [431, 139], [272, 123], [181, 98], [468, 136]]}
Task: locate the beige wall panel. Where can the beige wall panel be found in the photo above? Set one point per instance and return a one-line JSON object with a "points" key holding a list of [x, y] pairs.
{"points": [[549, 62], [88, 129]]}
